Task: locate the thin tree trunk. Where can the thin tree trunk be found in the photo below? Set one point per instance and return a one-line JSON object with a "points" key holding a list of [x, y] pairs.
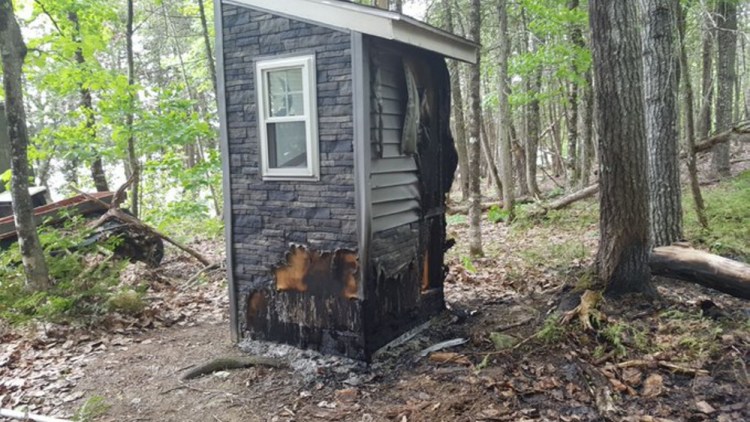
{"points": [[134, 165], [576, 36], [13, 53], [660, 92], [475, 210], [207, 45], [458, 111], [194, 98], [489, 159], [727, 46], [87, 105], [533, 117], [587, 146], [506, 159], [622, 258], [703, 127], [695, 188]]}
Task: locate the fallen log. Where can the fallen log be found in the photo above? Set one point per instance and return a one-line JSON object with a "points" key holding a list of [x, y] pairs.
{"points": [[709, 270], [738, 132], [567, 200]]}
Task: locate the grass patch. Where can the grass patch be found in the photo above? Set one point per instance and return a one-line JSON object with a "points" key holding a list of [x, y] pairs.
{"points": [[83, 279], [728, 212]]}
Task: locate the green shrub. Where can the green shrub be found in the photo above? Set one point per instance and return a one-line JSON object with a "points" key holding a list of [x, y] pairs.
{"points": [[83, 279]]}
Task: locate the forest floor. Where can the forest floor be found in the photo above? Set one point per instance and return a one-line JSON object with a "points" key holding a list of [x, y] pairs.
{"points": [[682, 358]]}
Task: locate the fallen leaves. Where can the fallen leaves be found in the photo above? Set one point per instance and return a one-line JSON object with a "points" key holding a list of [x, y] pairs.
{"points": [[653, 386]]}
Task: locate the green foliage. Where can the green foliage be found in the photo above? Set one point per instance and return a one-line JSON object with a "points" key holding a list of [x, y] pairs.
{"points": [[468, 264], [126, 301], [94, 407], [620, 336], [84, 280], [552, 330], [456, 219], [496, 214], [5, 179], [728, 216]]}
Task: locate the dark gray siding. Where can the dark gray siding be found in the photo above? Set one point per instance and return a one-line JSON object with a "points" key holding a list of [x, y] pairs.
{"points": [[268, 216], [394, 179]]}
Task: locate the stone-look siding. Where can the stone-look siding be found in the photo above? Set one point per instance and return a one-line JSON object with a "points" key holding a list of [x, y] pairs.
{"points": [[268, 216]]}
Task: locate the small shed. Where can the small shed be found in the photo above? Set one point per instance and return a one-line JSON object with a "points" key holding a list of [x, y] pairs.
{"points": [[337, 157]]}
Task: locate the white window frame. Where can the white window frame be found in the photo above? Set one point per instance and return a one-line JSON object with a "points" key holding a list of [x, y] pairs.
{"points": [[309, 89]]}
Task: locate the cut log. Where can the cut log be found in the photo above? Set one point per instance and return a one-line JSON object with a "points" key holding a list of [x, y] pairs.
{"points": [[706, 269]]}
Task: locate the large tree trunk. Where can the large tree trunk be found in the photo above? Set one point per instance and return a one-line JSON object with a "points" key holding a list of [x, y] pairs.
{"points": [[87, 105], [727, 46], [716, 272], [660, 92], [506, 160], [459, 122], [133, 164], [475, 116], [695, 188], [13, 53], [622, 258]]}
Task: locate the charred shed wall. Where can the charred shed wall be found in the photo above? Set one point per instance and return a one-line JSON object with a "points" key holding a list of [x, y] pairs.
{"points": [[270, 216], [409, 183]]}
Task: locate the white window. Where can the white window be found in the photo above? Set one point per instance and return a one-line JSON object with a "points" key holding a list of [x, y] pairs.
{"points": [[287, 118]]}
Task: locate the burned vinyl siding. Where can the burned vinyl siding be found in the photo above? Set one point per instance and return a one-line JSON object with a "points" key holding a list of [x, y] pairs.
{"points": [[394, 176], [404, 284], [269, 217]]}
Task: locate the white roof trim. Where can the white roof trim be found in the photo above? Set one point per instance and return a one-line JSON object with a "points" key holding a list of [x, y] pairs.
{"points": [[371, 21]]}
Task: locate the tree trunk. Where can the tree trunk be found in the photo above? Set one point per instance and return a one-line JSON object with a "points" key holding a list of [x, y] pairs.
{"points": [[475, 211], [622, 258], [506, 160], [5, 154], [725, 71], [576, 37], [533, 117], [207, 45], [695, 188], [660, 92], [458, 111], [489, 158], [133, 164], [713, 271], [87, 105], [587, 144], [13, 53], [707, 77]]}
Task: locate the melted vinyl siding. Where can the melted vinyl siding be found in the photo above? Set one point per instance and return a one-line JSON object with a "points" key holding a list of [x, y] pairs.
{"points": [[394, 177]]}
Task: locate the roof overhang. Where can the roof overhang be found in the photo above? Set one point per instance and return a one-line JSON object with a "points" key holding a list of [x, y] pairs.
{"points": [[371, 21]]}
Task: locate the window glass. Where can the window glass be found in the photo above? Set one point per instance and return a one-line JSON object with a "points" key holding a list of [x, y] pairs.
{"points": [[287, 145], [285, 90]]}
